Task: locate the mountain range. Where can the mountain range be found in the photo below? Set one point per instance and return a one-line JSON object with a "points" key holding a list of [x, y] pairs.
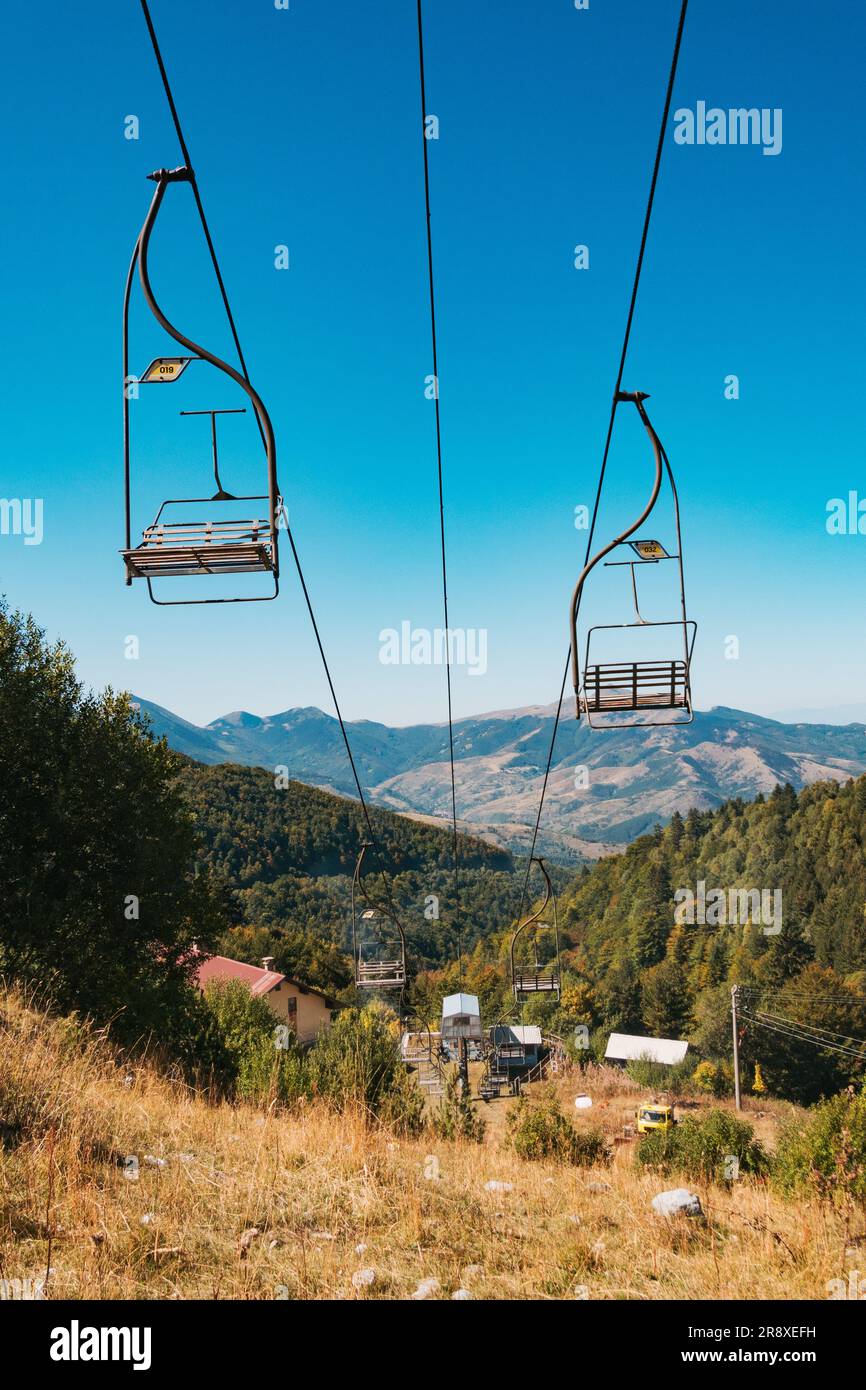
{"points": [[603, 791]]}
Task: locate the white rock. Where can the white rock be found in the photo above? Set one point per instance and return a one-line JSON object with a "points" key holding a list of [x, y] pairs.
{"points": [[363, 1278], [678, 1201], [427, 1288], [460, 1295], [494, 1185]]}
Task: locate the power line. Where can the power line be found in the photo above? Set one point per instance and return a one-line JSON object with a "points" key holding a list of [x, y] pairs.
{"points": [[812, 1028], [197, 196], [809, 996], [625, 342], [224, 293], [455, 840], [799, 1036]]}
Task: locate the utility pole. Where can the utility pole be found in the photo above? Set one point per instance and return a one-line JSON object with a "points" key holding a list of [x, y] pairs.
{"points": [[737, 1098]]}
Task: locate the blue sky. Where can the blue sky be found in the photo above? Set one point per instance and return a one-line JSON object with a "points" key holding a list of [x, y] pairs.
{"points": [[303, 127]]}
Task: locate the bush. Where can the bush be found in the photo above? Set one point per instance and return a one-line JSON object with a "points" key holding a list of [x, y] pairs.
{"points": [[655, 1076], [712, 1079], [357, 1062], [827, 1154], [701, 1148], [541, 1131], [261, 1064], [455, 1118]]}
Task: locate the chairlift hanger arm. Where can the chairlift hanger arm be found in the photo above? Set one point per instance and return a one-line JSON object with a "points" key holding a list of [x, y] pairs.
{"points": [[535, 916], [162, 179], [638, 398], [358, 886]]}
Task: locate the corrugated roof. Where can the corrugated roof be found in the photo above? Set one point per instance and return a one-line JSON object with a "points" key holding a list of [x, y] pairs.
{"points": [[529, 1034], [624, 1047], [260, 981]]}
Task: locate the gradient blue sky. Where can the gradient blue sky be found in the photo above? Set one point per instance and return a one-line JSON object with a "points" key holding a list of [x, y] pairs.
{"points": [[303, 127]]}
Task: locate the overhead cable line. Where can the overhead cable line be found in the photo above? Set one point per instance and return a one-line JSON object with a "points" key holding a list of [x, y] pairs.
{"points": [[810, 996], [812, 1029], [455, 846], [242, 361], [625, 342], [794, 1033]]}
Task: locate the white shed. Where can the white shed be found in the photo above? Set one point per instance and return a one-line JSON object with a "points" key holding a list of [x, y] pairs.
{"points": [[625, 1047]]}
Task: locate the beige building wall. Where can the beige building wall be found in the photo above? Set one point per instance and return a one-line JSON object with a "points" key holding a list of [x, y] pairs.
{"points": [[305, 1014]]}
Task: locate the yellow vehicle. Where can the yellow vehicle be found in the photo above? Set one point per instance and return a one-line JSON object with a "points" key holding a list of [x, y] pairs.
{"points": [[652, 1116]]}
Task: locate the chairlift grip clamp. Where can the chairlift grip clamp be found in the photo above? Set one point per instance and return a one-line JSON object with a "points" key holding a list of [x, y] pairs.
{"points": [[635, 397], [183, 174]]}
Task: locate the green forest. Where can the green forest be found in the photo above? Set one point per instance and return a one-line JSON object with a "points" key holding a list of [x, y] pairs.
{"points": [[630, 966], [282, 860], [124, 861]]}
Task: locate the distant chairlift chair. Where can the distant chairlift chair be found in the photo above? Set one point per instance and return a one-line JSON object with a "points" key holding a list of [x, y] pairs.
{"points": [[378, 941], [545, 979], [647, 687]]}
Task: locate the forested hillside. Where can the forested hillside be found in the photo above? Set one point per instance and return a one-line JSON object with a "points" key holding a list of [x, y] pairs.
{"points": [[630, 966], [284, 858], [123, 862]]}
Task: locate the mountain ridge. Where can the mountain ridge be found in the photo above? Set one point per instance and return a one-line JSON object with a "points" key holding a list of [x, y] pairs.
{"points": [[602, 792]]}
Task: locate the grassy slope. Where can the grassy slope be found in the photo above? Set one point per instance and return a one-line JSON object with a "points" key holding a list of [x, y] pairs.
{"points": [[318, 1186]]}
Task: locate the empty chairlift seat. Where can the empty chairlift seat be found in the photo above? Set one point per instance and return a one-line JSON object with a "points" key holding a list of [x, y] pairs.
{"points": [[220, 535], [379, 965], [635, 686], [540, 982], [169, 549]]}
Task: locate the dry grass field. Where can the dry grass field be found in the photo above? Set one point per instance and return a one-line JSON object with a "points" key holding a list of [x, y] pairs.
{"points": [[226, 1202]]}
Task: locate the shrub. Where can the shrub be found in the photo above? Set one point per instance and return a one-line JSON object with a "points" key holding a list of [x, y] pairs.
{"points": [[701, 1147], [262, 1064], [402, 1106], [357, 1062], [655, 1076], [827, 1153], [711, 1078], [541, 1131], [455, 1118], [96, 850]]}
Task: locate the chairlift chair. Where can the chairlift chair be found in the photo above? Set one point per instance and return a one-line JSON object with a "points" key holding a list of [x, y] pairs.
{"points": [[544, 979], [207, 540], [378, 942], [609, 691]]}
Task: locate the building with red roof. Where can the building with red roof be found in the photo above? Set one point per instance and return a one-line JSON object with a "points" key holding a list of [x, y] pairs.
{"points": [[305, 1010]]}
